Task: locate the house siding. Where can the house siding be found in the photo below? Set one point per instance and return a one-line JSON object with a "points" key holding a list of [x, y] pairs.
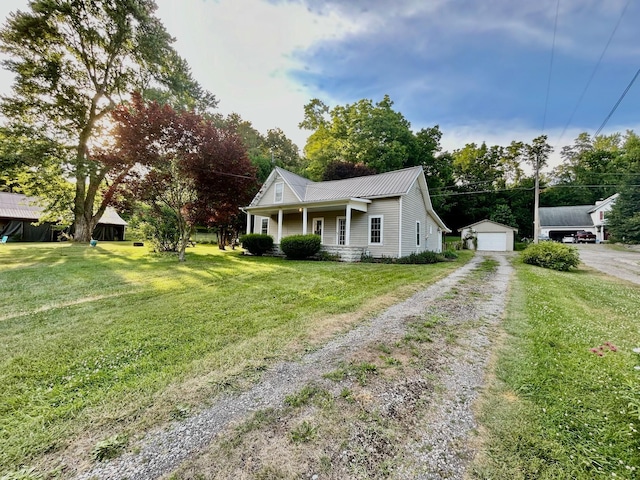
{"points": [[433, 235], [389, 208], [413, 210], [269, 196]]}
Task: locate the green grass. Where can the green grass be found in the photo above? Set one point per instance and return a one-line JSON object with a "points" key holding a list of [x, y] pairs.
{"points": [[556, 409], [110, 340]]}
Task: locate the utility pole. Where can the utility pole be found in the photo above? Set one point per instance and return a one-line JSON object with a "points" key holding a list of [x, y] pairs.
{"points": [[537, 154], [536, 203]]}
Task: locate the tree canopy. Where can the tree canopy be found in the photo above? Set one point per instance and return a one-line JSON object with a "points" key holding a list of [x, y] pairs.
{"points": [[373, 135], [265, 151], [74, 61], [193, 171]]}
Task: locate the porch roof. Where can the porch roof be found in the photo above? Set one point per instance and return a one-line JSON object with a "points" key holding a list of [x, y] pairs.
{"points": [[359, 204]]}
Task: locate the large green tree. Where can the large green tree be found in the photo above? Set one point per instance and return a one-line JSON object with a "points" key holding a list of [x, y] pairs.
{"points": [[591, 169], [624, 219], [74, 61], [366, 133]]}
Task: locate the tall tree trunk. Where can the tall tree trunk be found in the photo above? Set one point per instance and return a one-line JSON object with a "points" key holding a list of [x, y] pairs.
{"points": [[83, 229]]}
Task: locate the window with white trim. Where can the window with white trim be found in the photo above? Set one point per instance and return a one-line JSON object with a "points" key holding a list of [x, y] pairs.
{"points": [[417, 234], [264, 226], [375, 230], [279, 192], [341, 231]]}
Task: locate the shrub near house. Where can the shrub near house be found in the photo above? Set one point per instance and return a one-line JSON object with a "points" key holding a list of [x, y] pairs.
{"points": [[257, 243], [299, 247]]}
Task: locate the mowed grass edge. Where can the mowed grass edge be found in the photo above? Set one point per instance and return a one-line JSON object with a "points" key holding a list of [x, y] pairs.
{"points": [[114, 339], [557, 405]]}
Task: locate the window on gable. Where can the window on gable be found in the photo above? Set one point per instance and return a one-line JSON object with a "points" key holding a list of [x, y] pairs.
{"points": [[279, 192], [264, 226], [601, 214], [375, 230], [417, 234]]}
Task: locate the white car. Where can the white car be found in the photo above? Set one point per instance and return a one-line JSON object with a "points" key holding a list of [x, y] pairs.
{"points": [[568, 239]]}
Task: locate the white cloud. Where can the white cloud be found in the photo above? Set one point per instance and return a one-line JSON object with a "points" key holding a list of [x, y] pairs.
{"points": [[242, 52]]}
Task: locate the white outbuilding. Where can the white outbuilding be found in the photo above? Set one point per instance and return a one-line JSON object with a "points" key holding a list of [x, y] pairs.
{"points": [[486, 235]]}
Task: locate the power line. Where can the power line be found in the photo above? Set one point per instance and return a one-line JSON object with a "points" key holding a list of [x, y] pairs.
{"points": [[590, 186], [617, 103], [451, 194], [529, 189], [553, 47], [593, 73]]}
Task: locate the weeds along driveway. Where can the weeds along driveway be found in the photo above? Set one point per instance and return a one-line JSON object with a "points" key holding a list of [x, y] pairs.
{"points": [[391, 398], [618, 263]]}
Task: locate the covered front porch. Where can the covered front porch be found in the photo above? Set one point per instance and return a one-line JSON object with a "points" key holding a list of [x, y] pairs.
{"points": [[333, 221]]}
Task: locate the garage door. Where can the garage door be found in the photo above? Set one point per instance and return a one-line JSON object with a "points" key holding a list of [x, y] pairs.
{"points": [[493, 242]]}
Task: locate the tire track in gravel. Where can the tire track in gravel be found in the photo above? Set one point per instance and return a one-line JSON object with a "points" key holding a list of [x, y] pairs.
{"points": [[163, 450]]}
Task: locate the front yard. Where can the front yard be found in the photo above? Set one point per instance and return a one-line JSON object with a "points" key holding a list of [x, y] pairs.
{"points": [[113, 339]]}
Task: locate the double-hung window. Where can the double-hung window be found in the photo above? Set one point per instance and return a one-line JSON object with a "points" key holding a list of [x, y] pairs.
{"points": [[375, 230], [279, 192], [264, 226]]}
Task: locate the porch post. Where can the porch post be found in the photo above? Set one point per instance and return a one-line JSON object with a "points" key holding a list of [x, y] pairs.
{"points": [[347, 232], [248, 223], [279, 225], [304, 221]]}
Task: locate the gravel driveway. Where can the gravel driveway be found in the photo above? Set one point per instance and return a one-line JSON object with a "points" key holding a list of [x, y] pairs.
{"points": [[621, 264], [431, 427]]}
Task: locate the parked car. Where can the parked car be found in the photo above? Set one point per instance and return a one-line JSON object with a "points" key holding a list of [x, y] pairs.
{"points": [[582, 236], [568, 239]]}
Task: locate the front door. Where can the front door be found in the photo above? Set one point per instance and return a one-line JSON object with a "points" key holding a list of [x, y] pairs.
{"points": [[341, 230], [318, 228]]}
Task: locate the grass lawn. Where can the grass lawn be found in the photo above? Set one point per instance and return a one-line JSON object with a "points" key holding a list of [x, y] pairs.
{"points": [[113, 339], [556, 408]]}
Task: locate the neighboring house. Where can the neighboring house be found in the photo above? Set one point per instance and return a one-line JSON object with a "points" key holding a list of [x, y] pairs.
{"points": [[557, 222], [489, 236], [389, 214], [18, 213]]}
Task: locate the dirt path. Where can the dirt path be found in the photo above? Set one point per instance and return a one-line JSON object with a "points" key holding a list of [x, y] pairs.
{"points": [[621, 264], [390, 398]]}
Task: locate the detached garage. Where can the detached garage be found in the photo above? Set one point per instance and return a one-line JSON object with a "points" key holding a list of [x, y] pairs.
{"points": [[489, 236]]}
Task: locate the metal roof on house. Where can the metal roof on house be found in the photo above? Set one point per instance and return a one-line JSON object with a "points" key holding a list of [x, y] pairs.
{"points": [[382, 185], [21, 207], [572, 216]]}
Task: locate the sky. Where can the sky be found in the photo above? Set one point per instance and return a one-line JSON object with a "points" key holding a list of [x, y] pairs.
{"points": [[484, 71]]}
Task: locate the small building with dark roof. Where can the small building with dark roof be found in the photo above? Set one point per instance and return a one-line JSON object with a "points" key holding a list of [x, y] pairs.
{"points": [[20, 213]]}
